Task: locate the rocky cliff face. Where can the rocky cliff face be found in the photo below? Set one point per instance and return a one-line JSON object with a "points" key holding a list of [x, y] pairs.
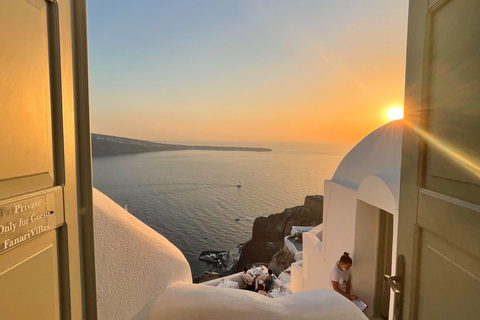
{"points": [[268, 233]]}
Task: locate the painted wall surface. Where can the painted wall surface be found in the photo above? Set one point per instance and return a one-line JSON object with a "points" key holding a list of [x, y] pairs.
{"points": [[313, 263], [338, 235], [297, 277], [375, 191], [339, 216], [134, 263]]}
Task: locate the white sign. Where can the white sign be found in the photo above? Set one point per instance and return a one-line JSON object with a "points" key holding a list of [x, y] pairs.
{"points": [[23, 220]]}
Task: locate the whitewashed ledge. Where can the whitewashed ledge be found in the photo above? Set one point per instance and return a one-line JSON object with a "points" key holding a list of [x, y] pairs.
{"points": [[190, 301], [141, 275]]}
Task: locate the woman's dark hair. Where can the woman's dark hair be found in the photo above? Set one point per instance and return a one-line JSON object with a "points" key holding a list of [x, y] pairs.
{"points": [[346, 258], [245, 269], [270, 271]]}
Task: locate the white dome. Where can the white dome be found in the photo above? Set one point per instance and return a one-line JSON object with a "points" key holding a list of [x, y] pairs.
{"points": [[378, 154]]}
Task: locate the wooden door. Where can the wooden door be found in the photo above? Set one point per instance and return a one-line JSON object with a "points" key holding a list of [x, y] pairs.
{"points": [[46, 247], [439, 213], [384, 264]]}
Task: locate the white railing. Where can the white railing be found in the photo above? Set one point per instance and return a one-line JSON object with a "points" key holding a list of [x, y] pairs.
{"points": [[289, 245], [300, 229]]}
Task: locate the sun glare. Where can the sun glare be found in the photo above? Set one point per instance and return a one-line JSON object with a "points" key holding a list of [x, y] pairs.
{"points": [[395, 113]]}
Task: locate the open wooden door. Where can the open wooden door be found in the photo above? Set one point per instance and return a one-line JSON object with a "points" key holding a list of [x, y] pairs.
{"points": [[439, 213], [47, 269]]}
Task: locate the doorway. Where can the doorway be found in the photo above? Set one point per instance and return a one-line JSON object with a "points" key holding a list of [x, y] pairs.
{"points": [[384, 265], [372, 258]]}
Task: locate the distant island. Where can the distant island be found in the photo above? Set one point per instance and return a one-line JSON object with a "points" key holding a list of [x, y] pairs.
{"points": [[103, 145]]}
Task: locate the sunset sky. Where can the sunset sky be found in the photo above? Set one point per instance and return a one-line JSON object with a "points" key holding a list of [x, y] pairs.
{"points": [[246, 70]]}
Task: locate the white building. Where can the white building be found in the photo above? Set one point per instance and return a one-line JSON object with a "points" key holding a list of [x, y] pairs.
{"points": [[360, 216]]}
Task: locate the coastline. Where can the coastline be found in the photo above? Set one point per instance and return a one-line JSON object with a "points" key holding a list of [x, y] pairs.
{"points": [[105, 145], [165, 189]]}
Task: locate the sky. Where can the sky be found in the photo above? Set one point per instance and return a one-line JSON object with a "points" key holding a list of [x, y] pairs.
{"points": [[245, 70]]}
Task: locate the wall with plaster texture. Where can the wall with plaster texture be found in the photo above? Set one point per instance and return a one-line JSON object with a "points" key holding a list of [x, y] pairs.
{"points": [[134, 263]]}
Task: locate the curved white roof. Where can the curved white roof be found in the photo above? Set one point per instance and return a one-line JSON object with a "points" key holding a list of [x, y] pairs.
{"points": [[378, 154]]}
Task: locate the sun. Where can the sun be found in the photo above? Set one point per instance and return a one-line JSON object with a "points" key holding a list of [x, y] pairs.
{"points": [[395, 113]]}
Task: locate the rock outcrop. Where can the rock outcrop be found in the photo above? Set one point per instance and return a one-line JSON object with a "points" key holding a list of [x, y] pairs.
{"points": [[281, 261], [268, 234]]}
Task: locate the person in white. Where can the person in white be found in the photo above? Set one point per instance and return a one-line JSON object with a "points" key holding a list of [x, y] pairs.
{"points": [[340, 277], [248, 280]]}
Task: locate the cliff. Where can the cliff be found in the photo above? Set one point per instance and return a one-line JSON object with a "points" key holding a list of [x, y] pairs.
{"points": [[268, 233], [103, 145]]}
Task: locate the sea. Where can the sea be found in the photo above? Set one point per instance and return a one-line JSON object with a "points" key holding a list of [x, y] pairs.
{"points": [[191, 197]]}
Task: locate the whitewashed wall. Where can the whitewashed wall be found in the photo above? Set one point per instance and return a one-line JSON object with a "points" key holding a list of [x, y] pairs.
{"points": [[297, 276], [369, 173], [342, 232], [134, 263], [338, 236]]}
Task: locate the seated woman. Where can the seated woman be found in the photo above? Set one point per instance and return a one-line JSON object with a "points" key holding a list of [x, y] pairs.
{"points": [[340, 276], [269, 280]]}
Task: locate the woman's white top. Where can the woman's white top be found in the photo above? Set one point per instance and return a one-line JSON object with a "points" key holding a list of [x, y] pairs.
{"points": [[340, 276]]}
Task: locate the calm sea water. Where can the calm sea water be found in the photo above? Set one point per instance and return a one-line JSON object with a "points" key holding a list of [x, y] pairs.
{"points": [[191, 198]]}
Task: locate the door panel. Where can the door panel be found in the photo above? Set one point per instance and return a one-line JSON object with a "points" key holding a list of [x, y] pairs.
{"points": [[384, 265], [31, 206], [451, 218], [29, 281], [449, 286], [46, 269], [25, 113], [452, 97], [439, 212]]}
